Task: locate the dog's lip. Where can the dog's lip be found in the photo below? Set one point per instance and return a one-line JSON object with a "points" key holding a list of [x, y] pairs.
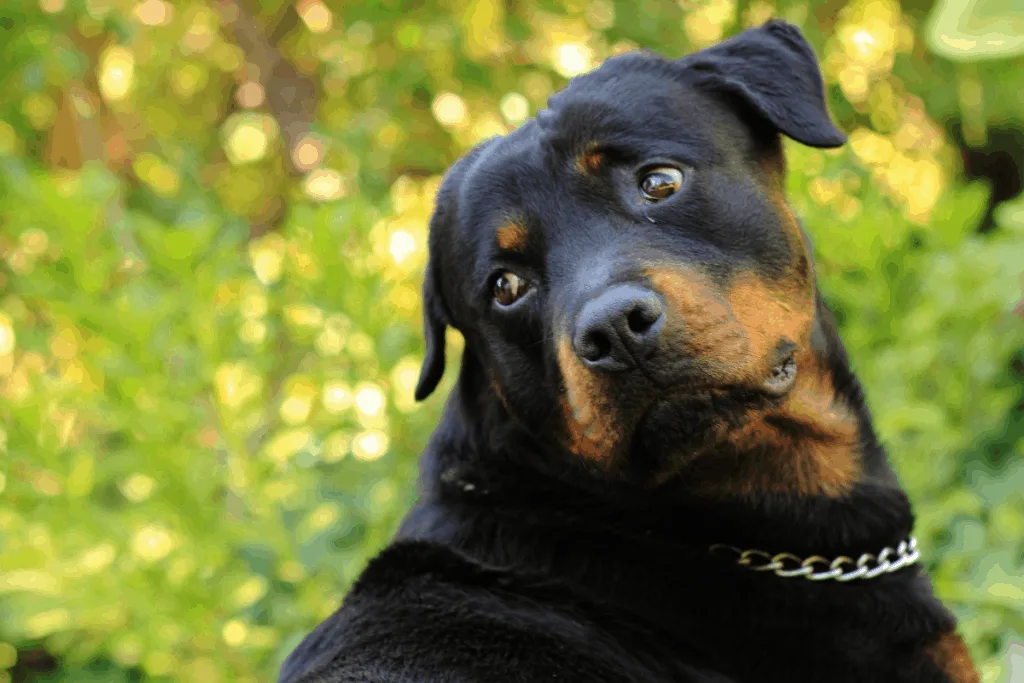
{"points": [[680, 374]]}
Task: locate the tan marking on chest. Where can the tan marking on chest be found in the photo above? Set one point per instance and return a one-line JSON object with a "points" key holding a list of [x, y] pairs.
{"points": [[950, 655]]}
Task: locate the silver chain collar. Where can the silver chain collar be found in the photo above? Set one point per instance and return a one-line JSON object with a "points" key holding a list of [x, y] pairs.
{"points": [[818, 568]]}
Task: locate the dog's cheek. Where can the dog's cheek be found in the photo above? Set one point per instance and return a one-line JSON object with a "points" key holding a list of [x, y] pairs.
{"points": [[769, 314], [588, 415], [699, 326]]}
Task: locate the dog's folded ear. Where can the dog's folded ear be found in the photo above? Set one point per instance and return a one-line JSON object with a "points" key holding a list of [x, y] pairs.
{"points": [[775, 71], [436, 317], [435, 323]]}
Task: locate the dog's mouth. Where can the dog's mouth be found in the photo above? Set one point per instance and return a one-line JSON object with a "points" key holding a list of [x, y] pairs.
{"points": [[690, 414]]}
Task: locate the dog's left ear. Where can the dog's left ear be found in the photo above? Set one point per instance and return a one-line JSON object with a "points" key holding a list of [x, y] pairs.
{"points": [[773, 69]]}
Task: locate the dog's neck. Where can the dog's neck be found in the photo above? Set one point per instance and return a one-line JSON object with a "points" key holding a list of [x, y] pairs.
{"points": [[479, 454], [493, 496]]}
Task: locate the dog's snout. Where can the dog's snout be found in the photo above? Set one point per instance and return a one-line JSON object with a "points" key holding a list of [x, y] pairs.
{"points": [[619, 329]]}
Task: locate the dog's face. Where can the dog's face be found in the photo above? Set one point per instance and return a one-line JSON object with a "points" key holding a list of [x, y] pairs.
{"points": [[625, 268]]}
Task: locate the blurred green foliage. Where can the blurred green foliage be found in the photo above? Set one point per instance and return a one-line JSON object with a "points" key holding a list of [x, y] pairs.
{"points": [[212, 229]]}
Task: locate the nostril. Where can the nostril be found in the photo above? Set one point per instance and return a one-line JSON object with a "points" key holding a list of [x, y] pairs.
{"points": [[643, 316], [639, 320], [594, 346]]}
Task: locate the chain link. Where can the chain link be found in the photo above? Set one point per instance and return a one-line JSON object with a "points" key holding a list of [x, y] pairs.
{"points": [[818, 568]]}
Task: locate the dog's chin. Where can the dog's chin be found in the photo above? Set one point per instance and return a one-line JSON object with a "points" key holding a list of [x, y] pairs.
{"points": [[675, 428]]}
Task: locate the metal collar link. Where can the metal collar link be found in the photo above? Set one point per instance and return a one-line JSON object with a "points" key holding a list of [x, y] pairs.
{"points": [[818, 568]]}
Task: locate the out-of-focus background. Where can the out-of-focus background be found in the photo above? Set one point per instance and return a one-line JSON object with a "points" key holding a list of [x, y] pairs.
{"points": [[212, 226]]}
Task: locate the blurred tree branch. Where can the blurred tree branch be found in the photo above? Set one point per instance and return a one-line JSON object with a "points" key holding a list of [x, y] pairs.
{"points": [[291, 97]]}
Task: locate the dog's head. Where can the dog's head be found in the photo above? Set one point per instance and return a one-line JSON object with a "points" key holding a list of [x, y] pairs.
{"points": [[628, 276]]}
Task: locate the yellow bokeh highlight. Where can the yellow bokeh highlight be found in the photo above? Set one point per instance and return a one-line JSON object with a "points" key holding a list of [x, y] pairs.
{"points": [[8, 655], [369, 399], [337, 397], [297, 404], [707, 23], [152, 543], [450, 110], [251, 590], [304, 315], [116, 73], [369, 445], [236, 383], [234, 632], [572, 59], [515, 108], [325, 184], [483, 22], [266, 255], [247, 143], [404, 376], [402, 246], [94, 560], [45, 623], [322, 516], [138, 487], [7, 336], [30, 581], [154, 12], [160, 176], [287, 443], [316, 16]]}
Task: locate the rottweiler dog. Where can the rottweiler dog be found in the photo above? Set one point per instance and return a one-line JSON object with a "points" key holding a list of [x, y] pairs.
{"points": [[656, 464]]}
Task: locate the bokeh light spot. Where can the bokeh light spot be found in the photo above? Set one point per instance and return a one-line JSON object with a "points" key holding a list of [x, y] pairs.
{"points": [[316, 16], [250, 95], [154, 12], [370, 445], [116, 73], [369, 399], [325, 184], [337, 397], [572, 59], [515, 108], [450, 110]]}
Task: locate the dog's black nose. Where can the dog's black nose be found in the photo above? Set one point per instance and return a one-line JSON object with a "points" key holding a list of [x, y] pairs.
{"points": [[619, 329]]}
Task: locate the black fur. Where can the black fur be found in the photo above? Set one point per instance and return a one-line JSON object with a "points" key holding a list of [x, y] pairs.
{"points": [[524, 562]]}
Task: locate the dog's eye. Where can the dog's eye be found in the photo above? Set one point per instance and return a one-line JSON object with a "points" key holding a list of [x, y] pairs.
{"points": [[509, 287], [660, 183]]}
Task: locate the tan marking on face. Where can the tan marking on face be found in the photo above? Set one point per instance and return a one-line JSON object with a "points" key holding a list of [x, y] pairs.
{"points": [[512, 237], [807, 445], [589, 420], [769, 313], [950, 655], [774, 188], [496, 387], [698, 322], [589, 162]]}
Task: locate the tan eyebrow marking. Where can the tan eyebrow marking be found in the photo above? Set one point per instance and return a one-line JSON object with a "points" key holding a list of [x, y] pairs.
{"points": [[590, 160], [512, 236]]}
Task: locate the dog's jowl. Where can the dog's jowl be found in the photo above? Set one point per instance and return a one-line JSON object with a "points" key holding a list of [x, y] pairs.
{"points": [[656, 464]]}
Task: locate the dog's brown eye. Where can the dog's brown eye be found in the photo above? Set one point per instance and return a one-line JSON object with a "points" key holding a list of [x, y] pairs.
{"points": [[661, 183], [509, 287]]}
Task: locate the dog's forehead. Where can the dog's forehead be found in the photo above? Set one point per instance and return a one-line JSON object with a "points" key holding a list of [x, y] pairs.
{"points": [[634, 104]]}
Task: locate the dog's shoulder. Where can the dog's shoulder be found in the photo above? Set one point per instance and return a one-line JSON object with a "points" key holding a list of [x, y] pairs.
{"points": [[421, 611]]}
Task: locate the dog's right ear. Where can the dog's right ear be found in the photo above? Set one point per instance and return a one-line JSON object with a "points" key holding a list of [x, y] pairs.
{"points": [[435, 323], [436, 313], [436, 317]]}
